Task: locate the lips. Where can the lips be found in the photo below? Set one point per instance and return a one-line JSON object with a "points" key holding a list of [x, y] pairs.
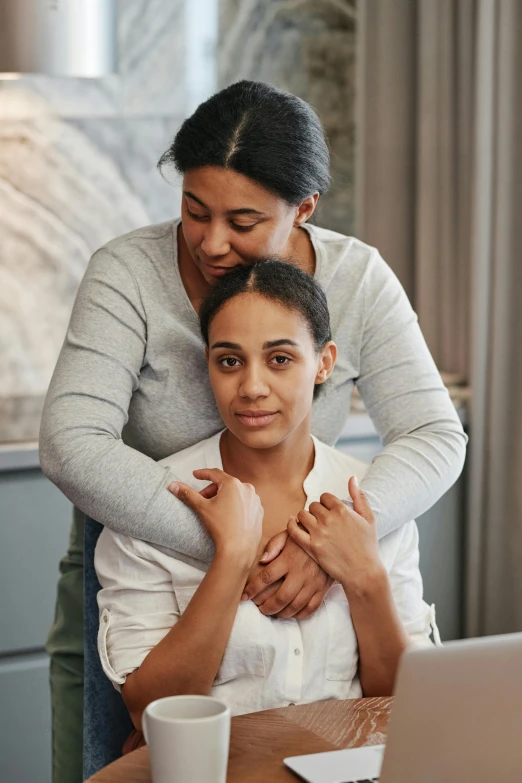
{"points": [[256, 419], [218, 271]]}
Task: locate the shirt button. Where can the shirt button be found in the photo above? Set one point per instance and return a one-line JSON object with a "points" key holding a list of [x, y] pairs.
{"points": [[105, 618], [297, 651]]}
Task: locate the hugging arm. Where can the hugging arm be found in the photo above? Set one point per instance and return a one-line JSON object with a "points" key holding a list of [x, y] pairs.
{"points": [[403, 392], [81, 449]]}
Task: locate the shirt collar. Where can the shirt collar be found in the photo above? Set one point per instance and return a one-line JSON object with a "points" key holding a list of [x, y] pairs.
{"points": [[312, 483]]}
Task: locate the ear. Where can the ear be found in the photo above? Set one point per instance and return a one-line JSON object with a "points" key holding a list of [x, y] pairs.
{"points": [[305, 210], [327, 360]]}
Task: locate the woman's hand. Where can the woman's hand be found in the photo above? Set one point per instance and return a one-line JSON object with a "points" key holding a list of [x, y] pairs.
{"points": [[292, 585], [343, 541], [230, 510]]}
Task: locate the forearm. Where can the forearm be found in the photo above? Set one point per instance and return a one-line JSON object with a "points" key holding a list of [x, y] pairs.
{"points": [[380, 634], [412, 473], [187, 659], [121, 488]]}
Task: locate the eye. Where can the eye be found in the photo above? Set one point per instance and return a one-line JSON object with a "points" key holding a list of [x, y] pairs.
{"points": [[281, 360], [195, 216], [241, 228], [229, 362]]}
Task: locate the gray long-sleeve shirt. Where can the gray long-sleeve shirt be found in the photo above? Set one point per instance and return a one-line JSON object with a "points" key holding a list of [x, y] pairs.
{"points": [[131, 387]]}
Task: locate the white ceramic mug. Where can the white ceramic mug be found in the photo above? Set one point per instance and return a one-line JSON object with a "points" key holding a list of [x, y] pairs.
{"points": [[188, 739]]}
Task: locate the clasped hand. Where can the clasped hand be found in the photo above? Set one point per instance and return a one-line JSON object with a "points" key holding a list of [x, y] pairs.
{"points": [[299, 564]]}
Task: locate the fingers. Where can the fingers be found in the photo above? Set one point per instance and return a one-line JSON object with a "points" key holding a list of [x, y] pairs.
{"points": [[313, 605], [217, 476], [359, 499], [209, 492], [329, 501], [274, 547], [266, 577], [282, 598], [295, 606], [297, 534], [195, 500], [267, 593], [187, 495], [307, 520]]}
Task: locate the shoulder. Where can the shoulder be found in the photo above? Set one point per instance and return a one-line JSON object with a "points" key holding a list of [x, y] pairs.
{"points": [[135, 262], [345, 263], [333, 468], [146, 236], [334, 245], [204, 454], [142, 248]]}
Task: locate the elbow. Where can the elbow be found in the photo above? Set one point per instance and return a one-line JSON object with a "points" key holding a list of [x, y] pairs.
{"points": [[51, 447], [133, 700], [53, 460], [446, 444], [47, 464], [137, 694], [49, 459], [383, 691], [460, 441]]}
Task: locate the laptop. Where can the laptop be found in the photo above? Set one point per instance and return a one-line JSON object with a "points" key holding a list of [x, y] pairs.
{"points": [[456, 718]]}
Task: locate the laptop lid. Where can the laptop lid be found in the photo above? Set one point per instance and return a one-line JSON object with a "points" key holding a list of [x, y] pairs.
{"points": [[457, 714]]}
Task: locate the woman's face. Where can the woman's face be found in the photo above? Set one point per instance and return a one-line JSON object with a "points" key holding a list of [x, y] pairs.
{"points": [[229, 220], [263, 368]]}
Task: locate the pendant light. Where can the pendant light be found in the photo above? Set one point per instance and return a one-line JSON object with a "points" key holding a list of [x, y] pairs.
{"points": [[57, 37]]}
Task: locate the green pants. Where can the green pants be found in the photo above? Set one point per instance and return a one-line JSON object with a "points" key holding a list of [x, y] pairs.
{"points": [[65, 646]]}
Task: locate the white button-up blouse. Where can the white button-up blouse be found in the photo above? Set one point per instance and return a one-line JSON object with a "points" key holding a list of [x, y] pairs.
{"points": [[268, 662]]}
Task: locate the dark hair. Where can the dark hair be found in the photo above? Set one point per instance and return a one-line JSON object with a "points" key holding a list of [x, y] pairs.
{"points": [[270, 136], [278, 281]]}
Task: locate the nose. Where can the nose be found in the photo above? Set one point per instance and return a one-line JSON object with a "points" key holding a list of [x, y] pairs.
{"points": [[215, 240], [253, 384]]}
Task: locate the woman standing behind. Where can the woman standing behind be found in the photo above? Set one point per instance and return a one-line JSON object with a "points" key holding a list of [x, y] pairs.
{"points": [[254, 163]]}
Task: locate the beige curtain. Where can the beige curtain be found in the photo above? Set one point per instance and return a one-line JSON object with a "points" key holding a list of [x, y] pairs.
{"points": [[439, 186]]}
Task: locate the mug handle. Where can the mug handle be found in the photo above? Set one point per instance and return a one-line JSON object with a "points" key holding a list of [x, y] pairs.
{"points": [[144, 726]]}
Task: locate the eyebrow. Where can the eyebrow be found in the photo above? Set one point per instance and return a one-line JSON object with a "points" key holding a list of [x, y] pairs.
{"points": [[242, 211], [277, 343], [266, 346], [230, 346]]}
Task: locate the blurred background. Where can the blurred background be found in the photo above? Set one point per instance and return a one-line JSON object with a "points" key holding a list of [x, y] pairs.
{"points": [[422, 105]]}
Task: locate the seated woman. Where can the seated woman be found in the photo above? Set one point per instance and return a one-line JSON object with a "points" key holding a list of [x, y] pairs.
{"points": [[166, 626]]}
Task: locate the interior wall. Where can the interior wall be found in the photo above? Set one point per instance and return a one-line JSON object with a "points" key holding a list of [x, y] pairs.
{"points": [[78, 167], [308, 48]]}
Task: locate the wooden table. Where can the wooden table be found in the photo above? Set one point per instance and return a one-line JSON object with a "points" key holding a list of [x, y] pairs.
{"points": [[260, 741]]}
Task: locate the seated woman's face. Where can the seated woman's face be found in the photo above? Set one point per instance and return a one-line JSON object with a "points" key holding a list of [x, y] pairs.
{"points": [[263, 369]]}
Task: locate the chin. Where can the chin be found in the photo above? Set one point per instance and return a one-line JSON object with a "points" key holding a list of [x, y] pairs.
{"points": [[260, 439]]}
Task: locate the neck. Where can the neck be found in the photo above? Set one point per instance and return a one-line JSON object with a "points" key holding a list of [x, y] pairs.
{"points": [[300, 249], [288, 462], [193, 281]]}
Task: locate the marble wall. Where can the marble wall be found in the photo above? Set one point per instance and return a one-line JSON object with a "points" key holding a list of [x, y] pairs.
{"points": [[306, 47], [78, 156], [78, 167]]}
